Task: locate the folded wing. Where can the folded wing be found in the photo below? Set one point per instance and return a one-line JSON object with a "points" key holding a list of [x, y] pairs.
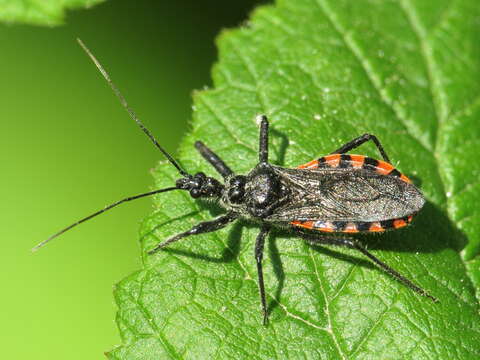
{"points": [[347, 195]]}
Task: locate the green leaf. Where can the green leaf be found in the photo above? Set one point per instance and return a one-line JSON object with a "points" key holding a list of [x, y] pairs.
{"points": [[40, 12], [325, 72]]}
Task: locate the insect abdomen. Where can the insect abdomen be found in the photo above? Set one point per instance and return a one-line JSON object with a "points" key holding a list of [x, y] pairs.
{"points": [[353, 226], [356, 162]]}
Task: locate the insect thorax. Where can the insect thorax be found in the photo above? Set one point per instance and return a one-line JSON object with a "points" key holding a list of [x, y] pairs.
{"points": [[255, 195]]}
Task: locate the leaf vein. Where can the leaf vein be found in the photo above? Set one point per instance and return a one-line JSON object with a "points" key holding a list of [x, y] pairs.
{"points": [[327, 306]]}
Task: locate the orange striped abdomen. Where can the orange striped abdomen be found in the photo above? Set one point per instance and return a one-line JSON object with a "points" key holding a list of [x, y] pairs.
{"points": [[356, 162], [353, 226]]}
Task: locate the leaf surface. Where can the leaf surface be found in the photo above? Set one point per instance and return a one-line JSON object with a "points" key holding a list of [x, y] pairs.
{"points": [[40, 12], [325, 72]]}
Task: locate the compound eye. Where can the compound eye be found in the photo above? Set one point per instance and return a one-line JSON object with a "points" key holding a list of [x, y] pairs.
{"points": [[236, 195], [195, 193]]}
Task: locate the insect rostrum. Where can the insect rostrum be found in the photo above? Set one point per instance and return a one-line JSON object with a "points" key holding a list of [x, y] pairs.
{"points": [[339, 193]]}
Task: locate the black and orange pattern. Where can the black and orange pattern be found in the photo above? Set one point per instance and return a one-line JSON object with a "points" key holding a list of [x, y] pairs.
{"points": [[352, 161], [345, 161], [353, 227]]}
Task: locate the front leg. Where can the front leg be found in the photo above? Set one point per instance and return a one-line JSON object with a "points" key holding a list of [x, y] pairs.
{"points": [[213, 159], [201, 228], [259, 245]]}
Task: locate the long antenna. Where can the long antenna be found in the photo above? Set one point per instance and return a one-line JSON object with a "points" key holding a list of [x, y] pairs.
{"points": [[130, 111], [106, 208]]}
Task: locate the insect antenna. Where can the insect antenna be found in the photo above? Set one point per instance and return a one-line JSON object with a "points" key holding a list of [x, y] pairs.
{"points": [[106, 208], [144, 129], [129, 109]]}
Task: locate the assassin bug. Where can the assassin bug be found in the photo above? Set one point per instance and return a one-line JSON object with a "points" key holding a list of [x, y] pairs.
{"points": [[337, 193]]}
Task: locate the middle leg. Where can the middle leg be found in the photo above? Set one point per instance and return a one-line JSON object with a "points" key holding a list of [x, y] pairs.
{"points": [[259, 245]]}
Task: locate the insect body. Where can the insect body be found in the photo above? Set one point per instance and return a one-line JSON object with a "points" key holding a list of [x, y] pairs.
{"points": [[338, 193]]}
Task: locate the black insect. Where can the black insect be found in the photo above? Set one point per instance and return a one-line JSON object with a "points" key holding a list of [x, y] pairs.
{"points": [[338, 193]]}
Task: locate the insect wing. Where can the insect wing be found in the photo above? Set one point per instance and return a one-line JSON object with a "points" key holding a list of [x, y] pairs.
{"points": [[346, 195]]}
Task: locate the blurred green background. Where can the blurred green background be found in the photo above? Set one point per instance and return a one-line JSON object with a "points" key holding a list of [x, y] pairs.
{"points": [[68, 148]]}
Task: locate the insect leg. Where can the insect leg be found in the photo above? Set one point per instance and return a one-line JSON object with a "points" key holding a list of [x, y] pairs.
{"points": [[355, 244], [259, 256], [359, 141], [213, 159], [201, 228], [263, 141]]}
